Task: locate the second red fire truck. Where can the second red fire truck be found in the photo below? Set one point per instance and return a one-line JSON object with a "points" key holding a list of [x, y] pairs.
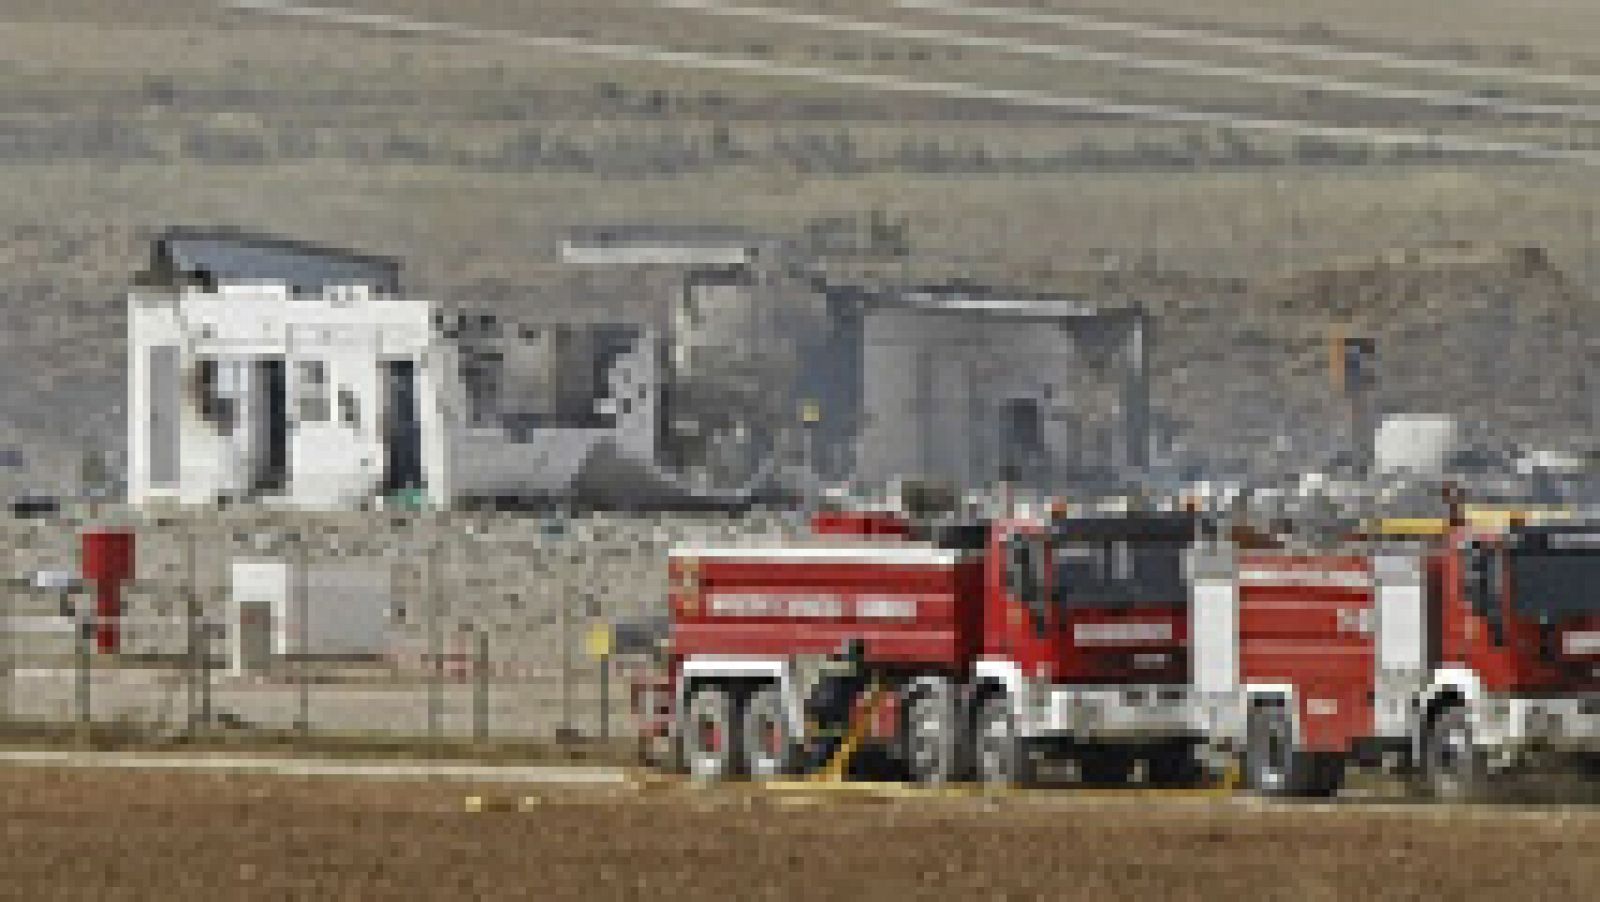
{"points": [[1465, 655], [1139, 640]]}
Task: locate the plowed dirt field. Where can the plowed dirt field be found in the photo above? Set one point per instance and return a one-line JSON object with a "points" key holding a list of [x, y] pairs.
{"points": [[85, 834]]}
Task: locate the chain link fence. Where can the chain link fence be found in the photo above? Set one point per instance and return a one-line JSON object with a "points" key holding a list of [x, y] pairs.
{"points": [[472, 629]]}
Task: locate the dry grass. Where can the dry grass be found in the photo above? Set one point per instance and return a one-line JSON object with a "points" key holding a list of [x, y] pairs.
{"points": [[420, 149]]}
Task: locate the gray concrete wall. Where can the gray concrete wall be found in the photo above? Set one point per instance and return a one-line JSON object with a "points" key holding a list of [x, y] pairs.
{"points": [[935, 382], [535, 584]]}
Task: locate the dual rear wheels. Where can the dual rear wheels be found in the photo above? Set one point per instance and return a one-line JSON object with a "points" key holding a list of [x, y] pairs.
{"points": [[727, 733]]}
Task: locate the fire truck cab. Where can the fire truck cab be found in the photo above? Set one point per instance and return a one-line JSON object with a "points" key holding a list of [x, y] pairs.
{"points": [[993, 643], [1463, 656]]}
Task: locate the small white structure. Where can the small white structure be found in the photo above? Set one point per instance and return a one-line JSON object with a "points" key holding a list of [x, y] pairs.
{"points": [[347, 608], [323, 392], [1419, 444]]}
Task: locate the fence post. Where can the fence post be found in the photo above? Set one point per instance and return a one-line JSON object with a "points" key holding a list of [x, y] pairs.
{"points": [[303, 632], [10, 663], [85, 715], [435, 644], [565, 731], [605, 698], [206, 637], [480, 707], [191, 618]]}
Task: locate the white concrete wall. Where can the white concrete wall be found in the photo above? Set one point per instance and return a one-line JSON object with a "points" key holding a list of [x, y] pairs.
{"points": [[933, 389], [347, 604], [337, 463], [331, 462]]}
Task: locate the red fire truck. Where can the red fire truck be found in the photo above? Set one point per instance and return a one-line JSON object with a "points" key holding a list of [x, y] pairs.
{"points": [[1463, 655], [995, 643]]}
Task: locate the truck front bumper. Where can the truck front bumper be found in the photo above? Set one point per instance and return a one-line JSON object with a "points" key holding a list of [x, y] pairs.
{"points": [[1512, 728], [1113, 713]]}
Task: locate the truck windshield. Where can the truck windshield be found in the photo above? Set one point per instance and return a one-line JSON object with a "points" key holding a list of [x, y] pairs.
{"points": [[1555, 584], [1119, 574]]}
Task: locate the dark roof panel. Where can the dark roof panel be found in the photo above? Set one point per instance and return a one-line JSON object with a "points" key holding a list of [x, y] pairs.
{"points": [[217, 255]]}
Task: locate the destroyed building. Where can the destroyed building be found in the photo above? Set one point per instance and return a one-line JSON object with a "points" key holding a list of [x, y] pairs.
{"points": [[260, 368], [973, 387]]}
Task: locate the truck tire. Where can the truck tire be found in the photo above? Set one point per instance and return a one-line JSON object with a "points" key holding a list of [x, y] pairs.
{"points": [[1273, 766], [768, 746], [711, 734], [1000, 753], [1453, 769], [932, 746]]}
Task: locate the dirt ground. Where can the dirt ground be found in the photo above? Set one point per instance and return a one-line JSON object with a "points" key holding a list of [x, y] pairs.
{"points": [[123, 835]]}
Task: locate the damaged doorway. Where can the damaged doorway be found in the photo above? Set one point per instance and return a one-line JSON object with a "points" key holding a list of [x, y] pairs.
{"points": [[272, 475], [402, 427], [1021, 440]]}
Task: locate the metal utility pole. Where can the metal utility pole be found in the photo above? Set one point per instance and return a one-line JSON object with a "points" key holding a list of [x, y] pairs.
{"points": [[1136, 391], [1352, 369]]}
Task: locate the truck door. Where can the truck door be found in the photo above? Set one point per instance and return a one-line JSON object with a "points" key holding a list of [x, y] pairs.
{"points": [[1020, 621]]}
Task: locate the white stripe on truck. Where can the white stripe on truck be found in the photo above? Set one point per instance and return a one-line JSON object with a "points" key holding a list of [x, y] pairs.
{"points": [[1118, 633], [877, 553], [821, 606], [1344, 579]]}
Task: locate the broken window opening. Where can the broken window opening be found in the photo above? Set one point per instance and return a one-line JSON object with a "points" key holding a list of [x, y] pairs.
{"points": [[311, 379]]}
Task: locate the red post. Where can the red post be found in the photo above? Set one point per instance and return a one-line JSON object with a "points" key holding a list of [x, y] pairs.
{"points": [[107, 562]]}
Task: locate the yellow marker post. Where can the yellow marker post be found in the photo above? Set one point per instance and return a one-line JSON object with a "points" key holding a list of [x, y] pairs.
{"points": [[598, 643]]}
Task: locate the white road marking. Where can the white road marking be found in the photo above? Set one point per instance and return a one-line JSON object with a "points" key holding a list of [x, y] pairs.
{"points": [[948, 89], [1074, 53], [1265, 46], [310, 767]]}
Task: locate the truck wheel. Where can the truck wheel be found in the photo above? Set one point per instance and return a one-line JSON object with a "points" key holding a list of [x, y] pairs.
{"points": [[1274, 767], [711, 735], [768, 745], [1002, 754], [930, 741], [1452, 767]]}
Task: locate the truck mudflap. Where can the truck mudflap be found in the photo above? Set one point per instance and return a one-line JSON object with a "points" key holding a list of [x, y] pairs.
{"points": [[1125, 713], [1513, 729]]}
